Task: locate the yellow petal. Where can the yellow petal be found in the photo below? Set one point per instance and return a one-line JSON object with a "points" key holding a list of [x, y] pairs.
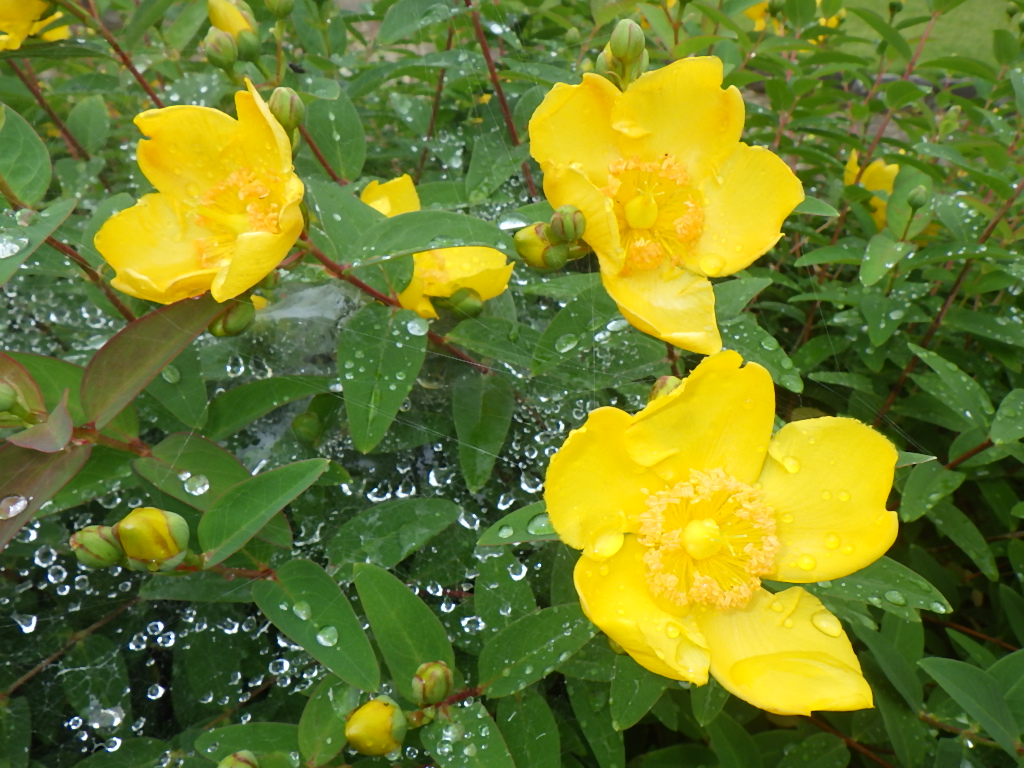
{"points": [[746, 202], [393, 197], [679, 110], [851, 168], [828, 480], [879, 176], [593, 489], [720, 417], [785, 653], [152, 248], [566, 186], [614, 595], [18, 20], [262, 145], [757, 13], [679, 310], [572, 126], [415, 299], [227, 18], [51, 35]]}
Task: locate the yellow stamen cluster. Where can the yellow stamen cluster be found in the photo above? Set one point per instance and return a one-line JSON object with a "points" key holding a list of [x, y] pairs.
{"points": [[240, 203], [658, 211], [708, 540]]}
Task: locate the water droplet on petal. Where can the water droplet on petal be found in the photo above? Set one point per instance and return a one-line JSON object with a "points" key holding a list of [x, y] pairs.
{"points": [[791, 464], [806, 563], [825, 622], [832, 540], [606, 545]]}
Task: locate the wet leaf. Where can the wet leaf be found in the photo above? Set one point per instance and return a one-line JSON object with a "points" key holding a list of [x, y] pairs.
{"points": [[482, 407], [24, 164], [470, 740]]}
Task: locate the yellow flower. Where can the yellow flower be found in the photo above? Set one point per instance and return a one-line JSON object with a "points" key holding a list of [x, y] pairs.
{"points": [[441, 272], [20, 19], [376, 728], [226, 210], [670, 194], [759, 15], [877, 177], [682, 509], [152, 538], [231, 17]]}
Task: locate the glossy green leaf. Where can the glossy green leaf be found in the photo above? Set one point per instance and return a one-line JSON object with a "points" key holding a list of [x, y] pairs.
{"points": [[634, 691], [405, 629], [886, 583], [707, 701], [131, 753], [200, 587], [1008, 425], [899, 46], [980, 696], [732, 744], [15, 733], [529, 523], [30, 235], [590, 706], [814, 207], [822, 750], [928, 484], [24, 164], [482, 407], [470, 740], [897, 668], [1007, 329], [387, 533], [238, 407], [967, 396], [308, 606], [743, 334], [181, 389], [529, 649], [322, 725], [572, 330], [380, 352], [425, 230], [530, 730], [245, 508], [218, 743], [132, 358], [492, 162], [883, 253], [502, 594], [408, 16], [191, 469], [337, 130], [89, 122], [731, 296], [342, 216], [494, 337], [959, 529]]}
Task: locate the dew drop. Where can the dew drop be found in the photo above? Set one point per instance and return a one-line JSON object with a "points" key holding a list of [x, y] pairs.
{"points": [[505, 532], [843, 496], [895, 597], [302, 610], [791, 464], [196, 485], [540, 525], [328, 636], [11, 506], [832, 540], [826, 623], [417, 327], [806, 563]]}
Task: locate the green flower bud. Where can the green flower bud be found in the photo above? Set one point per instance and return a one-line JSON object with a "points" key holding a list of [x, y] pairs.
{"points": [[627, 41], [97, 547], [663, 386], [241, 759], [287, 107], [376, 728], [531, 242], [281, 9], [568, 224], [248, 45], [895, 7], [918, 197], [556, 257], [432, 683], [466, 302], [221, 50], [776, 7], [307, 427], [235, 320], [8, 397], [572, 36], [153, 539], [605, 63]]}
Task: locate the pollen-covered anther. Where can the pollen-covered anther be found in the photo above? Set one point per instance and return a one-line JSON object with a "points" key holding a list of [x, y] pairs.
{"points": [[709, 540]]}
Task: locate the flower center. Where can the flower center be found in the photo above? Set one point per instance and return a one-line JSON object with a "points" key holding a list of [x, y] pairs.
{"points": [[240, 203], [708, 540], [658, 211]]}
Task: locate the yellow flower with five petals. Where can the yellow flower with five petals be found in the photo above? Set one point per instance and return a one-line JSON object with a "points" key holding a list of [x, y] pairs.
{"points": [[20, 19], [670, 194], [683, 508], [443, 271], [878, 176], [226, 210]]}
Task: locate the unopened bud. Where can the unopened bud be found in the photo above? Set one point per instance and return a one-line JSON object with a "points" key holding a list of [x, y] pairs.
{"points": [[235, 320], [231, 16], [248, 45], [568, 224], [376, 728], [895, 7], [663, 386], [556, 257], [604, 64], [918, 197], [572, 36], [153, 539], [97, 547], [221, 50], [307, 427], [531, 242], [432, 683], [287, 107], [281, 9], [627, 41], [466, 302], [8, 397], [241, 759]]}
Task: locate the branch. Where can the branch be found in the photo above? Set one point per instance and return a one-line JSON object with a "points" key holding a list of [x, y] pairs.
{"points": [[320, 156]]}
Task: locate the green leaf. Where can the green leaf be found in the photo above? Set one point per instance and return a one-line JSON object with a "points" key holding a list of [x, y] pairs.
{"points": [[850, 252], [502, 595], [48, 436], [470, 740], [634, 691], [337, 131], [898, 669], [89, 122], [482, 408], [707, 701], [407, 632], [731, 296], [886, 31], [21, 241], [590, 705], [132, 753], [511, 343], [822, 750], [200, 587], [181, 389], [493, 161], [380, 352], [138, 352], [16, 733], [886, 583], [732, 744], [955, 525], [1005, 47], [387, 533], [322, 725], [969, 397], [1002, 328], [1008, 425], [342, 216], [259, 738], [426, 230], [184, 464], [95, 677], [571, 331], [529, 649], [529, 523], [530, 730], [928, 484], [24, 163], [743, 334], [979, 695], [814, 207], [240, 406], [883, 253], [148, 13], [245, 508], [308, 606], [408, 16]]}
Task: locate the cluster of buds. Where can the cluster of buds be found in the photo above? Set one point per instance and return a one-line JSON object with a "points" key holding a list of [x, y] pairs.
{"points": [[235, 320], [233, 34], [550, 245], [147, 539], [379, 726], [625, 56]]}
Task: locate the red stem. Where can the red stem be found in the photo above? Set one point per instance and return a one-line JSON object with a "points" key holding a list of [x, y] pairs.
{"points": [[92, 276], [434, 109], [77, 151], [320, 156]]}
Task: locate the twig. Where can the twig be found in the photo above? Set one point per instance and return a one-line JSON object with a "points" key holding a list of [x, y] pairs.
{"points": [[967, 733], [434, 109], [320, 156], [982, 446], [76, 150], [969, 631], [850, 742], [92, 276]]}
